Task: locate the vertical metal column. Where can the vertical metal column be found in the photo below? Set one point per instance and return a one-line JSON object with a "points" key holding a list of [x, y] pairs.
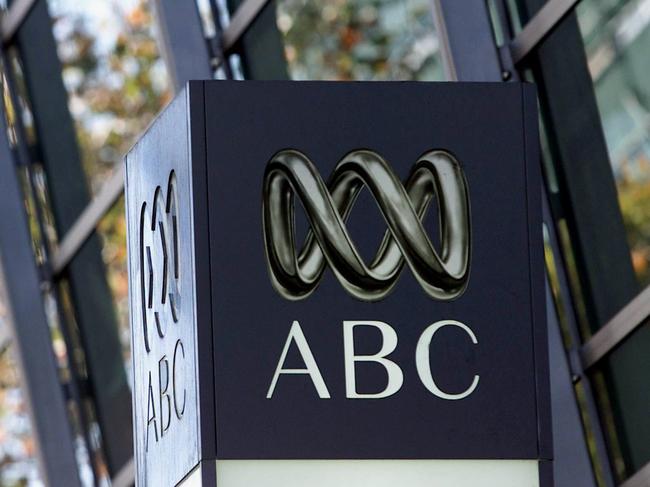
{"points": [[572, 463], [467, 44], [183, 45], [92, 299], [40, 376]]}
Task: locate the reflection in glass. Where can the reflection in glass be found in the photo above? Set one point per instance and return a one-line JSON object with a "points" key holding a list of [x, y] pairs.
{"points": [[359, 39], [617, 42]]}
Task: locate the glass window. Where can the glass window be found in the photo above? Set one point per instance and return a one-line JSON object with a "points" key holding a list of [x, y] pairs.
{"points": [[617, 42], [624, 405]]}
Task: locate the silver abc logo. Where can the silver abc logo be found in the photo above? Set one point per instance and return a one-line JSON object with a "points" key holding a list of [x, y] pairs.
{"points": [[295, 273], [160, 296]]}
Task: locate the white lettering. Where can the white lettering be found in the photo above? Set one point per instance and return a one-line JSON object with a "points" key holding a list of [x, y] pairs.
{"points": [[422, 360], [389, 344], [311, 368]]}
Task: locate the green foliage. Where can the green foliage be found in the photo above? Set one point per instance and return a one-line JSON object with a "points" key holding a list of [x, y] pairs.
{"points": [[634, 199], [359, 39]]}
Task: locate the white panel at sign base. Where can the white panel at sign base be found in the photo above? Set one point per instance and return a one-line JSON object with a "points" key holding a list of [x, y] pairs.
{"points": [[374, 473]]}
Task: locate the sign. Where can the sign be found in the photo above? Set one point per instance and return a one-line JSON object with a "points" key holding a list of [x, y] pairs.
{"points": [[328, 274]]}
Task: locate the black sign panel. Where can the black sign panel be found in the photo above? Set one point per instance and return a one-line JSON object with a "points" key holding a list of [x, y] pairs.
{"points": [[364, 274]]}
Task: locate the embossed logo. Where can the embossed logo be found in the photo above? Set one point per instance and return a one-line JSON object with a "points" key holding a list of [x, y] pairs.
{"points": [[295, 274], [159, 262], [160, 300]]}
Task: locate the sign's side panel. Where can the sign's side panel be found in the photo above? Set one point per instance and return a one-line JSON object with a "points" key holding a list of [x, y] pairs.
{"points": [[537, 278], [201, 266], [162, 298], [329, 363]]}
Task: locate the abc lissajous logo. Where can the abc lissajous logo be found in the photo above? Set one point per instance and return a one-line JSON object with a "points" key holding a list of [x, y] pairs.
{"points": [[161, 305], [295, 272]]}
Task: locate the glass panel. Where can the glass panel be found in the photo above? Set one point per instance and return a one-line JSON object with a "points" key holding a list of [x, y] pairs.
{"points": [[622, 406], [359, 39], [617, 42], [115, 77]]}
